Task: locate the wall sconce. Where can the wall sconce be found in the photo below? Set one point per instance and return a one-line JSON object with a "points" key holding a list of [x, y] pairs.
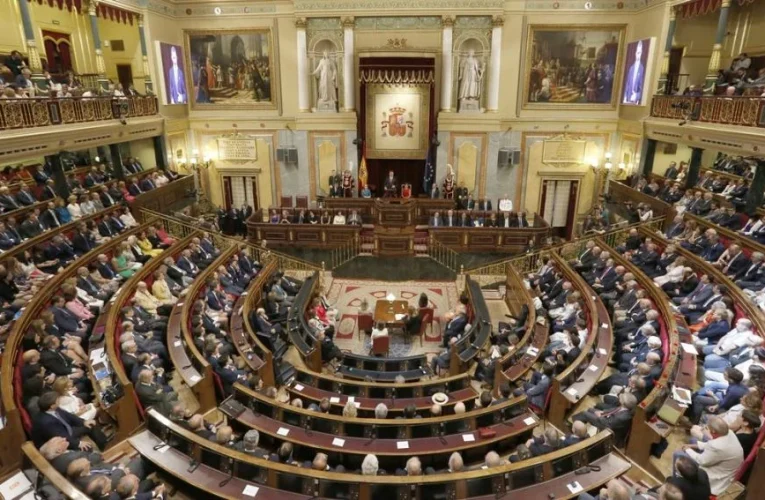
{"points": [[197, 162]]}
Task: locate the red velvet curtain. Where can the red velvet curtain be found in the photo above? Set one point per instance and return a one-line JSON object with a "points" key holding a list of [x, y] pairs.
{"points": [[406, 171]]}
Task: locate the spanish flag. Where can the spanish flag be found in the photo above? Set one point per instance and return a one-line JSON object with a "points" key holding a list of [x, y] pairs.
{"points": [[363, 169]]}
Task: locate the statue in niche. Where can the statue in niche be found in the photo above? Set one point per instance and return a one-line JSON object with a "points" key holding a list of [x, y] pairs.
{"points": [[326, 71], [470, 80]]}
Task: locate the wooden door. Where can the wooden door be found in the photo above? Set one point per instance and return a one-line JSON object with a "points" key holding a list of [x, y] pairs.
{"points": [[558, 205], [125, 75]]}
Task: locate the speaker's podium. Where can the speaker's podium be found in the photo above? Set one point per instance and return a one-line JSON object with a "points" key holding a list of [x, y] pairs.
{"points": [[394, 226]]}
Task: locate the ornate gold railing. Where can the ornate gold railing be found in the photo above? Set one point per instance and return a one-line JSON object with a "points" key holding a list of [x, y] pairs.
{"points": [[181, 229], [528, 262], [44, 111], [443, 255], [738, 110], [345, 252]]}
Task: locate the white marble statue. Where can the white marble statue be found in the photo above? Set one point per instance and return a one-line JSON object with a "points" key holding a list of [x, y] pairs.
{"points": [[470, 78], [326, 71]]}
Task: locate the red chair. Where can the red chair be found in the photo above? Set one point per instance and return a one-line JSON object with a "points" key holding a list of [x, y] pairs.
{"points": [[301, 201], [427, 312], [365, 322], [286, 202], [380, 346]]}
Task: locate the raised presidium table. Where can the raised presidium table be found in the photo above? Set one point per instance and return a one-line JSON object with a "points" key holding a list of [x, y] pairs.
{"points": [[390, 312]]}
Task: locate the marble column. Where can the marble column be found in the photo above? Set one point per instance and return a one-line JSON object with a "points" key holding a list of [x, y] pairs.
{"points": [[647, 155], [446, 63], [304, 101], [349, 75], [663, 87], [714, 60], [144, 55], [492, 102], [100, 65], [754, 196], [694, 168], [29, 37]]}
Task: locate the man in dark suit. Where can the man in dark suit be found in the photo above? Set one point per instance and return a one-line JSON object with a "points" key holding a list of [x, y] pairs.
{"points": [[456, 326], [436, 221], [151, 394], [40, 176], [186, 264], [7, 202], [484, 205], [65, 320], [390, 186], [32, 226], [470, 203], [52, 422], [134, 189], [695, 308], [671, 172], [750, 277], [737, 262], [49, 217], [49, 191], [147, 184], [82, 241], [25, 196], [715, 249], [450, 220], [618, 420]]}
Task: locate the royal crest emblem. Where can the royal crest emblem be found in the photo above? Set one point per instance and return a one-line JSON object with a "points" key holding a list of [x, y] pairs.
{"points": [[397, 122]]}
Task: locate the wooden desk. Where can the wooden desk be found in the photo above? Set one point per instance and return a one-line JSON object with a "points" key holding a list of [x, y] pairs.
{"points": [[166, 199], [386, 311]]}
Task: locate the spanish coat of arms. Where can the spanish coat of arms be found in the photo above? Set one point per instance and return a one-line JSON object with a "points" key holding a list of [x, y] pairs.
{"points": [[397, 122]]}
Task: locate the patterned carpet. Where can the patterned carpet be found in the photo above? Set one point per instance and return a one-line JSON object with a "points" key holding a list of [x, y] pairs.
{"points": [[346, 297]]}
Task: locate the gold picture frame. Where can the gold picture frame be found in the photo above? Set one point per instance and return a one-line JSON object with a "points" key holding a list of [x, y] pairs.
{"points": [[575, 89], [232, 88], [403, 109]]}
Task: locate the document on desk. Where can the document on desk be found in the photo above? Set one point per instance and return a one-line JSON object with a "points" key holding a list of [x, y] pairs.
{"points": [[529, 421], [298, 387], [468, 438], [250, 490], [402, 445], [574, 487], [334, 400], [338, 442], [283, 431]]}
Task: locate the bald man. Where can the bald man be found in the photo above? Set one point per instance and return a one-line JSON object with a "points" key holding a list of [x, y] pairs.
{"points": [[614, 490]]}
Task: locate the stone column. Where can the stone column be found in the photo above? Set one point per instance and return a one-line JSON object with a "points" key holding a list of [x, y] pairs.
{"points": [[100, 65], [714, 60], [304, 102], [647, 155], [663, 86], [755, 194], [144, 55], [29, 34], [349, 75], [492, 102], [694, 168], [446, 63]]}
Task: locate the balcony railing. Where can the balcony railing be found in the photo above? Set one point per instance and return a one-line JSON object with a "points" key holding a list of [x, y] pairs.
{"points": [[43, 111], [739, 110]]}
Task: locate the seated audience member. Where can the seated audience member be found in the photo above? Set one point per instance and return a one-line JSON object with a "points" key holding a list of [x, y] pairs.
{"points": [[54, 422], [618, 419]]}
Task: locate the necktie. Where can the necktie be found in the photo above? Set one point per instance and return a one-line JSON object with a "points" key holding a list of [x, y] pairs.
{"points": [[66, 425]]}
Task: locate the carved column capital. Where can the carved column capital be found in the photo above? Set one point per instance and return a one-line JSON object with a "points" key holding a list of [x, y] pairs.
{"points": [[140, 20], [92, 6], [348, 22], [725, 4], [672, 13], [301, 23], [447, 21], [498, 21]]}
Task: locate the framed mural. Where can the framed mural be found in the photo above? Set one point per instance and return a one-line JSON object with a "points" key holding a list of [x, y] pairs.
{"points": [[173, 78], [573, 66], [397, 121], [637, 72], [235, 69]]}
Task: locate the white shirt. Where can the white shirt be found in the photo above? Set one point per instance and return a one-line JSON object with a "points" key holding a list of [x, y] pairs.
{"points": [[339, 219], [506, 205], [128, 220], [720, 459], [735, 339], [74, 210], [379, 333]]}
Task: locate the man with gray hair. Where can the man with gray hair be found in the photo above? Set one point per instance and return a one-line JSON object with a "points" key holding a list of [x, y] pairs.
{"points": [[456, 463], [414, 467], [370, 466], [435, 410], [249, 444], [381, 411], [614, 490], [493, 459], [618, 420]]}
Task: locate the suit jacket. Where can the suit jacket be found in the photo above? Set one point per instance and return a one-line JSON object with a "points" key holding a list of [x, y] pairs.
{"points": [[65, 320], [55, 362], [46, 426], [30, 228], [48, 193], [134, 189], [189, 267], [436, 222], [50, 219], [738, 264], [713, 252]]}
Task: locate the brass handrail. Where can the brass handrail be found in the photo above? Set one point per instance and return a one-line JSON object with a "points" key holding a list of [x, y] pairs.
{"points": [[345, 252], [443, 254]]}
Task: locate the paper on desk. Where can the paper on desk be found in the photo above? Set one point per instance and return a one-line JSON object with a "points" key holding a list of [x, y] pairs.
{"points": [[351, 399], [338, 442], [298, 387], [529, 421], [689, 348], [334, 400], [574, 487], [399, 317], [283, 431], [681, 395], [604, 325], [177, 343], [532, 351], [402, 445], [571, 391], [164, 448], [250, 490], [602, 351], [195, 378], [468, 438], [593, 368]]}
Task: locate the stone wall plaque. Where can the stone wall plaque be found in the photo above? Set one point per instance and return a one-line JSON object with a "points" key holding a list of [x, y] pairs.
{"points": [[237, 148], [563, 151]]}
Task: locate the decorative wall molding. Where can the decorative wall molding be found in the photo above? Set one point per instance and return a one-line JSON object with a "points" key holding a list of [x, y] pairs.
{"points": [[398, 23], [348, 5]]}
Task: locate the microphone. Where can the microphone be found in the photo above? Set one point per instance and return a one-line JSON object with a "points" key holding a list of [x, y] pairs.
{"points": [[192, 466], [307, 426], [441, 432], [373, 435]]}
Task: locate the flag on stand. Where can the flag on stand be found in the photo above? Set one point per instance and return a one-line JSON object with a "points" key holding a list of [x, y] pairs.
{"points": [[363, 169], [430, 170]]}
